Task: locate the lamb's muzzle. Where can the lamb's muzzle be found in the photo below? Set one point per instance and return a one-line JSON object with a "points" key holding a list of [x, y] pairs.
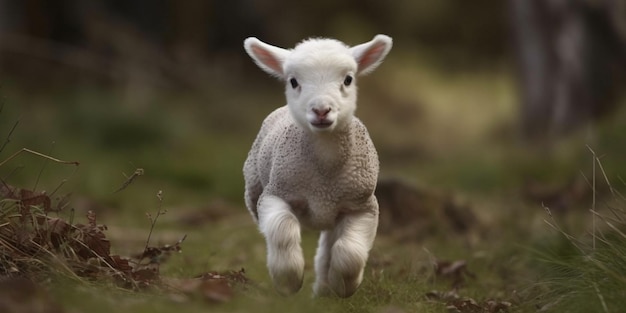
{"points": [[321, 115], [314, 164]]}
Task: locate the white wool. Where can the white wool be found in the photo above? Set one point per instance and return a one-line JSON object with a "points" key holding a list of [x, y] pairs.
{"points": [[313, 163]]}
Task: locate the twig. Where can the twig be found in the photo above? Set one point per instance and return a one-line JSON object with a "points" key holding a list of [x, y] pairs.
{"points": [[72, 213], [138, 172], [58, 187], [8, 139], [154, 220], [40, 155], [43, 167], [15, 170]]}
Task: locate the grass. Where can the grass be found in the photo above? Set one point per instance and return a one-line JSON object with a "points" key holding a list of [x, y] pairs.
{"points": [[586, 273], [194, 155]]}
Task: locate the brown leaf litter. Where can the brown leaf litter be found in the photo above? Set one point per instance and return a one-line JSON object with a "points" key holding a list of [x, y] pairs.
{"points": [[213, 287], [457, 272], [30, 238], [33, 243], [455, 303]]}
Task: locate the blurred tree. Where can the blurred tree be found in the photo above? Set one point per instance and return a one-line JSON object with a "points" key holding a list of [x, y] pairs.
{"points": [[220, 25], [166, 41], [570, 55]]}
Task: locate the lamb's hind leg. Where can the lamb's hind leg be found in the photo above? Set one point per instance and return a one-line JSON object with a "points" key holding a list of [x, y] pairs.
{"points": [[322, 263], [355, 235], [282, 234]]}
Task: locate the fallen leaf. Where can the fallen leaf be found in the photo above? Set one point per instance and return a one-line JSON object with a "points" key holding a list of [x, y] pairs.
{"points": [[238, 277], [146, 274], [454, 303], [456, 271], [212, 286], [216, 290], [59, 230], [158, 255], [442, 296], [25, 197], [466, 305]]}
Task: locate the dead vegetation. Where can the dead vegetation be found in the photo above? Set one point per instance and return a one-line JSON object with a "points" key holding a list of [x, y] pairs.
{"points": [[457, 274], [456, 303], [33, 234], [35, 242], [38, 239]]}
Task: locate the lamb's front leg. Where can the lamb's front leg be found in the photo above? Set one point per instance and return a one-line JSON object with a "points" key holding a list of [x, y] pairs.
{"points": [[354, 236], [282, 234]]}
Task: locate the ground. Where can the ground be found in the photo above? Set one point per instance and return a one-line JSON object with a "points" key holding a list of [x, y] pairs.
{"points": [[473, 216]]}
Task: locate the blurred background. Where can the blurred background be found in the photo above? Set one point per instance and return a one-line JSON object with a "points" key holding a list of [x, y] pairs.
{"points": [[478, 98]]}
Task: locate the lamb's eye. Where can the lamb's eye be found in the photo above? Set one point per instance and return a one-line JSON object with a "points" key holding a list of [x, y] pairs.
{"points": [[348, 80], [294, 83]]}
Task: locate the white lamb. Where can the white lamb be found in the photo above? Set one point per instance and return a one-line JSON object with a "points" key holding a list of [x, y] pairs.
{"points": [[313, 163]]}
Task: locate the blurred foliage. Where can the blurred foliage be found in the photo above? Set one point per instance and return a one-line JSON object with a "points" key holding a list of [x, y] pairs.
{"points": [[166, 86], [129, 75]]}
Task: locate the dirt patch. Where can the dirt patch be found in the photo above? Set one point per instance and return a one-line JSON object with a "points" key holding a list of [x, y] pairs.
{"points": [[20, 295], [411, 213]]}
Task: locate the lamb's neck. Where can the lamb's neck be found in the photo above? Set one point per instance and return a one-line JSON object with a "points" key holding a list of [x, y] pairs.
{"points": [[331, 150]]}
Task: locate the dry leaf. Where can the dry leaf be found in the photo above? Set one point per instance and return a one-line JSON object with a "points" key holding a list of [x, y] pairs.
{"points": [[213, 286], [454, 303], [457, 271]]}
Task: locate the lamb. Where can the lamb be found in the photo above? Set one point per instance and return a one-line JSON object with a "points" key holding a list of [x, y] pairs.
{"points": [[313, 164]]}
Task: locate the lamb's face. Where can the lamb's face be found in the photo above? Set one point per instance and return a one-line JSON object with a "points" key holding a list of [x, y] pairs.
{"points": [[321, 84], [320, 76]]}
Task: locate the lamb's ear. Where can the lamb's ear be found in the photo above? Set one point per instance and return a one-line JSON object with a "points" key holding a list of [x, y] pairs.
{"points": [[370, 54], [267, 57]]}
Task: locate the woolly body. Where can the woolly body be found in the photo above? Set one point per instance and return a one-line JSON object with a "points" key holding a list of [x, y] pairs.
{"points": [[320, 177]]}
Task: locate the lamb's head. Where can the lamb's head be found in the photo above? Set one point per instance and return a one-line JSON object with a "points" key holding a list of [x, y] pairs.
{"points": [[320, 76]]}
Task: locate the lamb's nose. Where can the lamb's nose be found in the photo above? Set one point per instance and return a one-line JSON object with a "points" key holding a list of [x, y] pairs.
{"points": [[321, 113]]}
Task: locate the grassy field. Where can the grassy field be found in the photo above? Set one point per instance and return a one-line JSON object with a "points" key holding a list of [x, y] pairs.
{"points": [[450, 136]]}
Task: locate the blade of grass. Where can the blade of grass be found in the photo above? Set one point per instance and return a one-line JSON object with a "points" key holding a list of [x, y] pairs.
{"points": [[8, 139], [593, 198], [43, 167]]}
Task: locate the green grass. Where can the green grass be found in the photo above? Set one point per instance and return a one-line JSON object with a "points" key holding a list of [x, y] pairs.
{"points": [[452, 132], [585, 273], [588, 280], [398, 276]]}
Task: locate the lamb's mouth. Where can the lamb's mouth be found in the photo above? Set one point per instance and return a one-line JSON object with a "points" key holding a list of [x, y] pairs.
{"points": [[322, 124]]}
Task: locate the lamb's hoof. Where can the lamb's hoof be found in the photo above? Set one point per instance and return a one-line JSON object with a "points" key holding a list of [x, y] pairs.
{"points": [[345, 285], [321, 290], [287, 283]]}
